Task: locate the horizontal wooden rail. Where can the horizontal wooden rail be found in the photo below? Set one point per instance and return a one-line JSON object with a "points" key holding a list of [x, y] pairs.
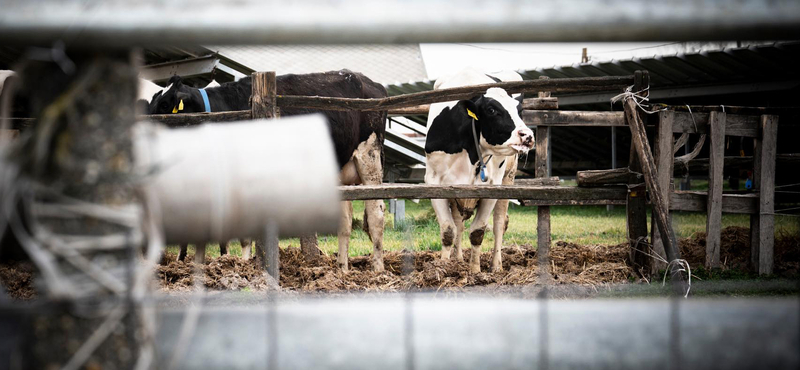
{"points": [[584, 84], [544, 195], [533, 103], [541, 192]]}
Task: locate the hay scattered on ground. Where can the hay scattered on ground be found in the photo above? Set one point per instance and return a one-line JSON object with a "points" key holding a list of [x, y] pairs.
{"points": [[17, 279], [584, 265], [735, 251], [223, 273]]}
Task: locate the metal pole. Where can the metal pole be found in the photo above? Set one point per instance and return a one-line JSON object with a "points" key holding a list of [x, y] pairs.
{"points": [[116, 23]]}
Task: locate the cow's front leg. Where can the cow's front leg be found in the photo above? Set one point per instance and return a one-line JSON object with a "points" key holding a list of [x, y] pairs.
{"points": [[500, 219], [200, 253], [477, 230], [458, 219], [374, 213], [223, 248], [184, 248], [500, 223], [246, 248], [369, 165], [345, 228], [447, 227]]}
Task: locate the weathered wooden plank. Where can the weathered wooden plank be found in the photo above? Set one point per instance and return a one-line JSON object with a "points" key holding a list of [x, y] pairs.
{"points": [[532, 192], [696, 166], [636, 204], [572, 118], [551, 181], [543, 237], [584, 84], [535, 103], [766, 188], [716, 123], [664, 162], [263, 106], [659, 202], [735, 125], [591, 178], [697, 201]]}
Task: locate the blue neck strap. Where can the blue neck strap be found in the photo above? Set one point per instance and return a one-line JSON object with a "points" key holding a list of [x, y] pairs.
{"points": [[206, 103]]}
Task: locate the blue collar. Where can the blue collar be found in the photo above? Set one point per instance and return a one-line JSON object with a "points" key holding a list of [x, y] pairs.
{"points": [[206, 104]]}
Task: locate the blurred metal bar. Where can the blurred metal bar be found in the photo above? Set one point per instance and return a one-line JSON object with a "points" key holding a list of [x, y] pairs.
{"points": [[156, 22], [495, 333]]}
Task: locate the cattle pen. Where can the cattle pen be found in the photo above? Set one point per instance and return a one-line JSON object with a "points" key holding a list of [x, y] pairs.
{"points": [[594, 187], [73, 193]]}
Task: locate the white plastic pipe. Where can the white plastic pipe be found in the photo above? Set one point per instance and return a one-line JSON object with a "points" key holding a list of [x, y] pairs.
{"points": [[217, 182]]}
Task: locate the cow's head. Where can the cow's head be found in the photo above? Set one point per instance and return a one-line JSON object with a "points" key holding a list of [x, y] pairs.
{"points": [[176, 98], [497, 118]]}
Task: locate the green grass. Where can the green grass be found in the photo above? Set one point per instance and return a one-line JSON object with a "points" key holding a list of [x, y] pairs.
{"points": [[577, 224]]}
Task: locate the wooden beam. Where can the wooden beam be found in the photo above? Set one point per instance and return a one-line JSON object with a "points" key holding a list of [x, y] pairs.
{"points": [[572, 118], [716, 123], [664, 162], [762, 224], [263, 106], [697, 201], [543, 237], [548, 103], [654, 189], [636, 204], [592, 178], [551, 181], [735, 125], [531, 192], [583, 84]]}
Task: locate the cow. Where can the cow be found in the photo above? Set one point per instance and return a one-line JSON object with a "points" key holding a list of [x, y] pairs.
{"points": [[471, 142], [357, 136]]}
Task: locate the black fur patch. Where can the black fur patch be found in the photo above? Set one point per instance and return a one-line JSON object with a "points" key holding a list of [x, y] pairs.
{"points": [[447, 237], [476, 236], [348, 129]]}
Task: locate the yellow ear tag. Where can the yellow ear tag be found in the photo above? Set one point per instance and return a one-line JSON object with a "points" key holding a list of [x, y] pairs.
{"points": [[175, 110], [469, 112], [180, 106]]}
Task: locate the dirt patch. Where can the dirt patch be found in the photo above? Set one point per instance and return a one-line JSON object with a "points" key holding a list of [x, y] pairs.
{"points": [[18, 280]]}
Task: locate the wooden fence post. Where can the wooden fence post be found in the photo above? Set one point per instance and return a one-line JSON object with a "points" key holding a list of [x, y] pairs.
{"points": [[543, 212], [263, 106], [636, 203], [664, 163], [762, 224], [716, 127], [661, 212]]}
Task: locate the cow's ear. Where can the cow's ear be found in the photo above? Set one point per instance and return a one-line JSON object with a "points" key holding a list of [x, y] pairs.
{"points": [[469, 108], [174, 80]]}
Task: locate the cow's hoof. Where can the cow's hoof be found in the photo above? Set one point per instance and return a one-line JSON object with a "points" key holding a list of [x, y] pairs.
{"points": [[344, 267], [474, 269], [377, 265], [497, 265], [459, 256]]}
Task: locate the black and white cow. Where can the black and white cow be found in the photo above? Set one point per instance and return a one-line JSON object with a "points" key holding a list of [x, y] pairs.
{"points": [[357, 136], [472, 142]]}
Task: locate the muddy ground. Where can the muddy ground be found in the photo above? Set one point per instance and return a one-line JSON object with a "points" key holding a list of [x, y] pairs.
{"points": [[583, 265]]}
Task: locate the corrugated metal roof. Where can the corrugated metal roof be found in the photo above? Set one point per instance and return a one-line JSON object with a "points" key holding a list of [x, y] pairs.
{"points": [[771, 62], [381, 63]]}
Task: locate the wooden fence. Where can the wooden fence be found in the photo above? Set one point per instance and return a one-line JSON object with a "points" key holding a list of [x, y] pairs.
{"points": [[649, 172]]}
